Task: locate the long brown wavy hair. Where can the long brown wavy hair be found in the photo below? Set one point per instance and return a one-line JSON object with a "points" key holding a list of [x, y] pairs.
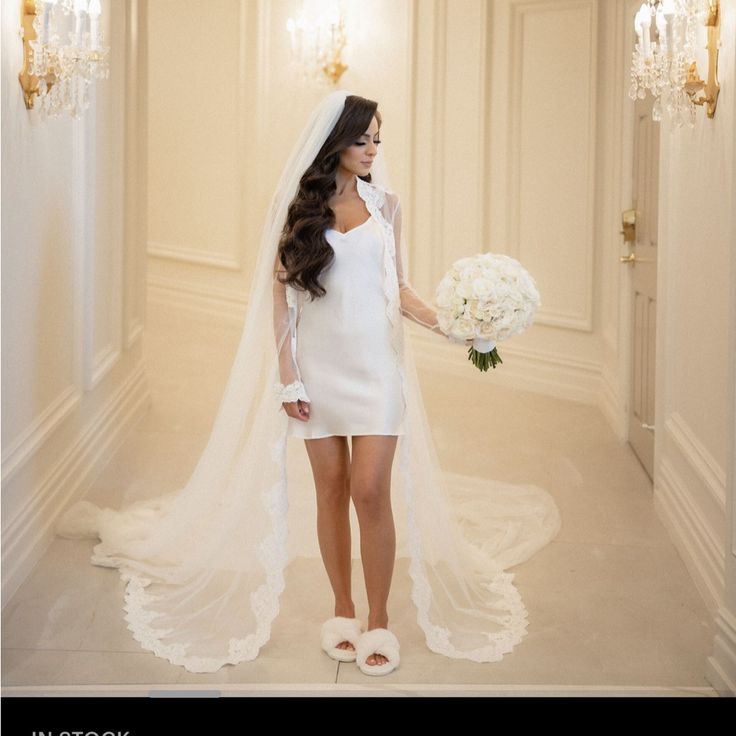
{"points": [[303, 249]]}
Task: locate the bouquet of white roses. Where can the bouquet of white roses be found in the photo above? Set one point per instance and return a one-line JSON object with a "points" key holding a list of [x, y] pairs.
{"points": [[487, 297]]}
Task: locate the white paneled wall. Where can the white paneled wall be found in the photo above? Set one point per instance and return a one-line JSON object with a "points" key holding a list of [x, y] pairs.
{"points": [[694, 481], [507, 127], [550, 194], [490, 126], [73, 378]]}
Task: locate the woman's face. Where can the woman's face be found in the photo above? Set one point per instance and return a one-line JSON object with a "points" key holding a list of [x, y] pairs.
{"points": [[357, 158]]}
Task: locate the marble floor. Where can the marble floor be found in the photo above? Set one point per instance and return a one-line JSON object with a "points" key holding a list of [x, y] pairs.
{"points": [[612, 608]]}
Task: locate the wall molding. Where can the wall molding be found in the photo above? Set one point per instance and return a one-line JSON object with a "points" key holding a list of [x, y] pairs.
{"points": [[27, 535], [55, 457], [697, 542], [526, 369], [224, 304], [135, 166], [704, 466], [24, 447], [199, 257], [722, 663], [520, 11]]}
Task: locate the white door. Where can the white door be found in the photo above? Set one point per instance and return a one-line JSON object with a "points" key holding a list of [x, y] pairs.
{"points": [[642, 262]]}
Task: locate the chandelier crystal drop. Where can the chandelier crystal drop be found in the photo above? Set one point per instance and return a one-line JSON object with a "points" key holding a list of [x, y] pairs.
{"points": [[667, 33], [68, 55]]}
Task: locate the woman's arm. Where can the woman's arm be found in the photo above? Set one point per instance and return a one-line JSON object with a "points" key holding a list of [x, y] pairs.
{"points": [[290, 387], [412, 305]]}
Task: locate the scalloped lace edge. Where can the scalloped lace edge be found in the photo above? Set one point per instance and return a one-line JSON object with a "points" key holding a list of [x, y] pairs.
{"points": [[291, 392], [265, 600]]}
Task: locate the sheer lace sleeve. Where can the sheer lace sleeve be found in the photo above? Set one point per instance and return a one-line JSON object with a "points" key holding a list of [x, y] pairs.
{"points": [[412, 305], [285, 320]]}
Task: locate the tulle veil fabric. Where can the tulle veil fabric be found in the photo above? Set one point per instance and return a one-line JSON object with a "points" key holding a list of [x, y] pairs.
{"points": [[204, 565]]}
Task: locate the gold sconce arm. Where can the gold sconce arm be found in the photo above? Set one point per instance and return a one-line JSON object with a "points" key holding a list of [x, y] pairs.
{"points": [[319, 37], [334, 68], [28, 81], [694, 83]]}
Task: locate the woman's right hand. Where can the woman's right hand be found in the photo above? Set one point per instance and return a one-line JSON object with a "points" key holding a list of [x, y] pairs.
{"points": [[297, 409], [457, 340]]}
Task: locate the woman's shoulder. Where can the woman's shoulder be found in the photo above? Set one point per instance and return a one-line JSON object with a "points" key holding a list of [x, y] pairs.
{"points": [[382, 193]]}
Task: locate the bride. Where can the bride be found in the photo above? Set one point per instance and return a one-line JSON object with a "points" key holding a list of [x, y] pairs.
{"points": [[322, 357]]}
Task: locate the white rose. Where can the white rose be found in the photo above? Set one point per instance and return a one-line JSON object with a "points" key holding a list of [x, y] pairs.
{"points": [[463, 328], [482, 287], [504, 321], [487, 330], [464, 288], [472, 308], [457, 304]]}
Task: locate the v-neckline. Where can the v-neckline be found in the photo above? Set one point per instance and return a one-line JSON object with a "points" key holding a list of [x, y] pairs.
{"points": [[352, 229], [359, 183]]}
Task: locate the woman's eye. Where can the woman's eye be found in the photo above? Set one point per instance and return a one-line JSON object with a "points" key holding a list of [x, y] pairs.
{"points": [[362, 144]]}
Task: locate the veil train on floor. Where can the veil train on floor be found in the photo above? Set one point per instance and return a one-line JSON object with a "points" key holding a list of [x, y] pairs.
{"points": [[204, 565]]}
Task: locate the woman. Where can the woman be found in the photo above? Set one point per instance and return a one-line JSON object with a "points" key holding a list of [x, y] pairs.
{"points": [[205, 566], [346, 358]]}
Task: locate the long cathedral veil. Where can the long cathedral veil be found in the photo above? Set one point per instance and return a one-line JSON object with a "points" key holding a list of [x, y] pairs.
{"points": [[204, 565]]}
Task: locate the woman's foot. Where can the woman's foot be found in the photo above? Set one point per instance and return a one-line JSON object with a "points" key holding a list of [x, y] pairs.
{"points": [[376, 659], [348, 612], [371, 642], [379, 622]]}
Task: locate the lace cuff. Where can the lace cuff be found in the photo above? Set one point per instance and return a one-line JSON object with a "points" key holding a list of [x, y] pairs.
{"points": [[291, 392]]}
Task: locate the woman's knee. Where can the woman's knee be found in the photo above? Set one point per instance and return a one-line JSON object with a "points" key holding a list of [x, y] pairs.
{"points": [[371, 496], [334, 488]]}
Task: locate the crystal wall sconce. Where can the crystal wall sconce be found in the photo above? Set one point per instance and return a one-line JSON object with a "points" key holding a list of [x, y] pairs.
{"points": [[317, 41], [664, 58], [61, 58]]}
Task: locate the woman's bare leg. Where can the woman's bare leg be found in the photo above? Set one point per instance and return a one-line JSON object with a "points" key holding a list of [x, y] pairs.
{"points": [[370, 488], [330, 460]]}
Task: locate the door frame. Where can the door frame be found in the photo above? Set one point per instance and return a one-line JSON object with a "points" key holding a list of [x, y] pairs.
{"points": [[626, 10]]}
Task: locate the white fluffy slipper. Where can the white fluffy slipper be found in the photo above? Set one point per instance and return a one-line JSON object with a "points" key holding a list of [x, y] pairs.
{"points": [[378, 641], [337, 629]]}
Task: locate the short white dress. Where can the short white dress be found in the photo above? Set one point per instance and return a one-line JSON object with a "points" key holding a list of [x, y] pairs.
{"points": [[343, 344]]}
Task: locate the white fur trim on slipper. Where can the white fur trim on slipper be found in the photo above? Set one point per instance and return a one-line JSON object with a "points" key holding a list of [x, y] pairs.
{"points": [[337, 629], [378, 641]]}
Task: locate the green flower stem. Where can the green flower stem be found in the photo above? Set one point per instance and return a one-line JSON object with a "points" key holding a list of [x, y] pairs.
{"points": [[483, 361]]}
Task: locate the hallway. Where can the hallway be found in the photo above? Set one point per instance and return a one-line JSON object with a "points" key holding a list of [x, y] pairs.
{"points": [[611, 605]]}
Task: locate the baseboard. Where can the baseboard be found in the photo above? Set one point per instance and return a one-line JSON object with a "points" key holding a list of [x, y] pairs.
{"points": [[721, 665], [697, 543], [524, 368], [27, 537], [226, 304]]}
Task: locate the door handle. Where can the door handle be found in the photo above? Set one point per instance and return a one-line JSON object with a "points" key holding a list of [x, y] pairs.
{"points": [[632, 258], [628, 222]]}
